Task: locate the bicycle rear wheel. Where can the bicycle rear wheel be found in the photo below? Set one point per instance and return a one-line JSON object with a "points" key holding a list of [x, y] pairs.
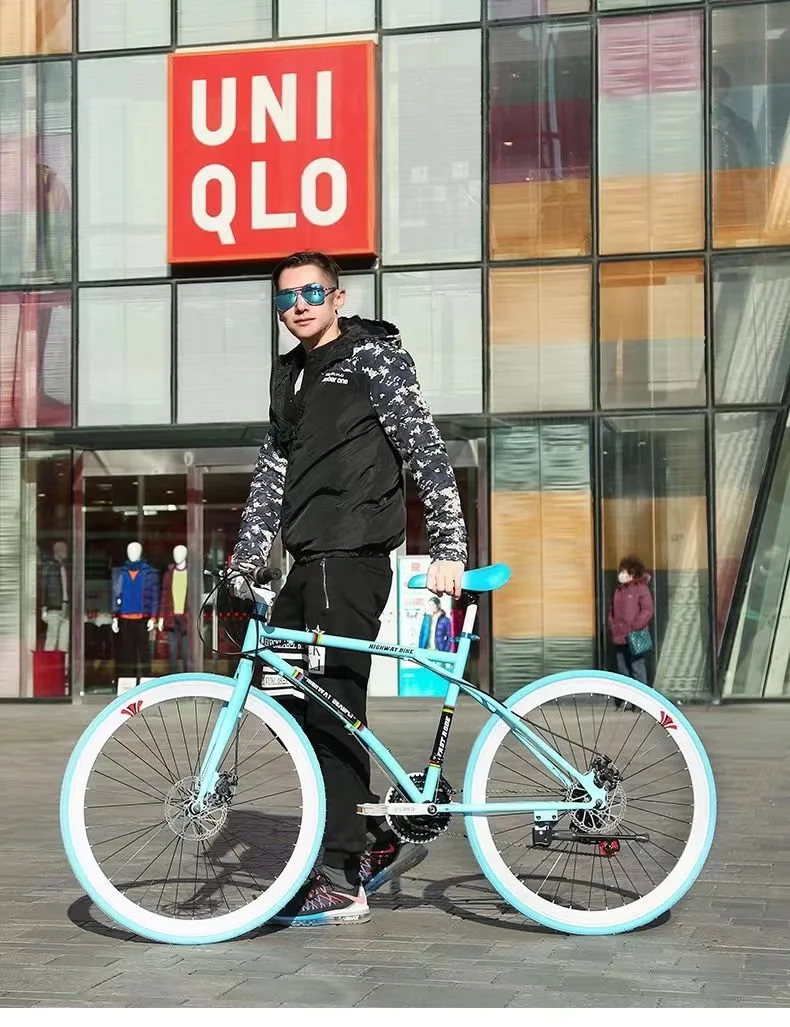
{"points": [[140, 848], [595, 871]]}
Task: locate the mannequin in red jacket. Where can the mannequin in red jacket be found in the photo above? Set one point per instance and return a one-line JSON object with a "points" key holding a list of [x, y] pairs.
{"points": [[631, 609]]}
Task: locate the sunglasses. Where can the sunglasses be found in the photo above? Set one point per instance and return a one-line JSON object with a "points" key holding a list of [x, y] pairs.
{"points": [[312, 294]]}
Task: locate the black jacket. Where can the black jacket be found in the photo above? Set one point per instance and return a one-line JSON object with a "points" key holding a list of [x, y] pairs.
{"points": [[52, 597], [330, 470]]}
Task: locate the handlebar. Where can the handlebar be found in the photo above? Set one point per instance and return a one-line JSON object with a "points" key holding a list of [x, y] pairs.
{"points": [[265, 575]]}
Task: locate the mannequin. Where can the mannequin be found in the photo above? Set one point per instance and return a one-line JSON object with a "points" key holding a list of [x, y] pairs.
{"points": [[135, 605], [55, 599], [174, 606]]}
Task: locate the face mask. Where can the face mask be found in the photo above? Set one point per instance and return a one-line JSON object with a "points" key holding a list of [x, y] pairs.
{"points": [[623, 577]]}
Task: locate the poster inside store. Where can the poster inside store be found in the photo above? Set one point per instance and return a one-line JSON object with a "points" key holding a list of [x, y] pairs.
{"points": [[424, 621]]}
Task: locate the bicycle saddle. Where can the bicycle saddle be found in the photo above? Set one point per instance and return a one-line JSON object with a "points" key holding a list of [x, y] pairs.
{"points": [[481, 579]]}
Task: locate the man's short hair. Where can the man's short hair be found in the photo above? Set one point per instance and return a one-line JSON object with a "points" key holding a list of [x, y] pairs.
{"points": [[302, 259]]}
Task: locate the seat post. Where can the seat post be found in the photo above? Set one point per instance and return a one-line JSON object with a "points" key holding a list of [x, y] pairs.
{"points": [[467, 636]]}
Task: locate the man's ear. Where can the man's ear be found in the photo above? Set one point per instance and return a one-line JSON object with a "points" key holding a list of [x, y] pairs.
{"points": [[340, 299]]}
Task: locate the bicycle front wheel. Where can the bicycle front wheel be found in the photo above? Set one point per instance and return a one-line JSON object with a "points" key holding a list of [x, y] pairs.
{"points": [[148, 857], [597, 871]]}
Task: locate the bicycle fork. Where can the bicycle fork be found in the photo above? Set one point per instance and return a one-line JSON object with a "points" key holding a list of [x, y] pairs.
{"points": [[227, 721]]}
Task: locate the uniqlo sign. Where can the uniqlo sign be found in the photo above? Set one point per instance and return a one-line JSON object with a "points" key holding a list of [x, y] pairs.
{"points": [[272, 150]]}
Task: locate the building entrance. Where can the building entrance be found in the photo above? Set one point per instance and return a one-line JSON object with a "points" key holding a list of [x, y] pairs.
{"points": [[132, 617]]}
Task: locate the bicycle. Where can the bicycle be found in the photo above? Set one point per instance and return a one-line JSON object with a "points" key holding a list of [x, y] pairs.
{"points": [[244, 848]]}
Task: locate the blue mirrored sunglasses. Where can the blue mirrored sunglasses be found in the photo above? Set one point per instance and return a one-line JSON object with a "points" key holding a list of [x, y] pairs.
{"points": [[312, 294]]}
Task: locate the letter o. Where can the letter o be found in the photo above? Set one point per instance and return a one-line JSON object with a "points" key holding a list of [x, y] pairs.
{"points": [[339, 202]]}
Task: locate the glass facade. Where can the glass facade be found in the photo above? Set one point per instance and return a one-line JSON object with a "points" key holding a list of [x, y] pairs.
{"points": [[584, 238]]}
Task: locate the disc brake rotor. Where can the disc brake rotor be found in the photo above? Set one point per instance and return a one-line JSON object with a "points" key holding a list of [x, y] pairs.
{"points": [[185, 819]]}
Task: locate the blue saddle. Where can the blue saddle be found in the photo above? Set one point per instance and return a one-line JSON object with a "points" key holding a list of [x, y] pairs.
{"points": [[481, 579]]}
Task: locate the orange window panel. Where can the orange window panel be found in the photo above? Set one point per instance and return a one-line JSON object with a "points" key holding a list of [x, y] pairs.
{"points": [[546, 539], [751, 207], [668, 534], [540, 338], [648, 214], [34, 27], [540, 219], [652, 331]]}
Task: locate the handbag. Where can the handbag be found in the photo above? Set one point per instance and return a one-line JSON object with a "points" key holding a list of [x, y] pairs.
{"points": [[640, 642]]}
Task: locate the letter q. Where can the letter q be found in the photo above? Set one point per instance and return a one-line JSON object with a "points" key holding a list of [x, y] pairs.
{"points": [[222, 222]]}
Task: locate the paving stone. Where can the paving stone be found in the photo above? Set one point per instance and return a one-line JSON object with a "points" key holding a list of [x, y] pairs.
{"points": [[431, 996], [64, 981], [321, 992]]}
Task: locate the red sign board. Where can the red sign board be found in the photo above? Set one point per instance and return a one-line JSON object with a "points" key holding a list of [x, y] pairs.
{"points": [[272, 150]]}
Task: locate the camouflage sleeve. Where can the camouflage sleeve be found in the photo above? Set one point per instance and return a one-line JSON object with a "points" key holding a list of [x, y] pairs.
{"points": [[261, 518], [405, 417]]}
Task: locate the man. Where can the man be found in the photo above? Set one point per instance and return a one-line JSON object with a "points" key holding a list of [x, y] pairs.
{"points": [[346, 414]]}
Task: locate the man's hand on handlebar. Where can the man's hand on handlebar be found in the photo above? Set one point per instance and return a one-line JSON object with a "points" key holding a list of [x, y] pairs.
{"points": [[241, 577]]}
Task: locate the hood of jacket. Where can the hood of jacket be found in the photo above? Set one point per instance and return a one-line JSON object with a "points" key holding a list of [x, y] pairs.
{"points": [[361, 329]]}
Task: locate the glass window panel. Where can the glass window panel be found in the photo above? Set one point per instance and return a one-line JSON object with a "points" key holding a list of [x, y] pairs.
{"points": [[751, 328], [539, 141], [35, 173], [655, 507], [360, 301], [500, 9], [11, 580], [34, 27], [439, 314], [398, 14], [124, 355], [122, 163], [35, 359], [204, 21], [123, 24], [541, 526], [431, 150], [650, 138], [312, 17], [540, 338], [224, 351], [749, 144], [759, 665], [652, 316], [742, 443], [616, 5]]}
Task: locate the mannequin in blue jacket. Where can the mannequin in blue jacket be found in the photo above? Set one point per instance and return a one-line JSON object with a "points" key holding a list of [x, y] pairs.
{"points": [[135, 605], [435, 630]]}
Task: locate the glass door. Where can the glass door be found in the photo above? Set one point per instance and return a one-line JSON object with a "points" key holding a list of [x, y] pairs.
{"points": [[127, 498]]}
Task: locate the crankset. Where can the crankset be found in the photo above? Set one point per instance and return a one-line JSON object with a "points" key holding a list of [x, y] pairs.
{"points": [[413, 822]]}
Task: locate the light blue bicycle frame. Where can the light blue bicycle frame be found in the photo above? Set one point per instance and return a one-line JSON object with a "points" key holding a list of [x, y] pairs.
{"points": [[260, 636]]}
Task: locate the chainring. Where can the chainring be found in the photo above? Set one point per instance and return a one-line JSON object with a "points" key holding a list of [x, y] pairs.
{"points": [[421, 829]]}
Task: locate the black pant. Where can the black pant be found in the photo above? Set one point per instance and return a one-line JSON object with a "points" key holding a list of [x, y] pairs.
{"points": [[135, 653], [177, 643], [341, 596]]}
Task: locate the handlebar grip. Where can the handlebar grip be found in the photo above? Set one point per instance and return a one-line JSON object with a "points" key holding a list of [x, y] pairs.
{"points": [[265, 575]]}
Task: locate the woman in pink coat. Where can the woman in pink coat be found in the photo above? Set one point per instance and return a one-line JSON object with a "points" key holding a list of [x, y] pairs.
{"points": [[631, 609]]}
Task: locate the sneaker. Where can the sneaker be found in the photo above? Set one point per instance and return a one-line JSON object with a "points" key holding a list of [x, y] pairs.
{"points": [[377, 866], [319, 903]]}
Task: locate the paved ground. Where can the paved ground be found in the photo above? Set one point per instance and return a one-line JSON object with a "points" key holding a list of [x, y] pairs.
{"points": [[444, 939]]}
